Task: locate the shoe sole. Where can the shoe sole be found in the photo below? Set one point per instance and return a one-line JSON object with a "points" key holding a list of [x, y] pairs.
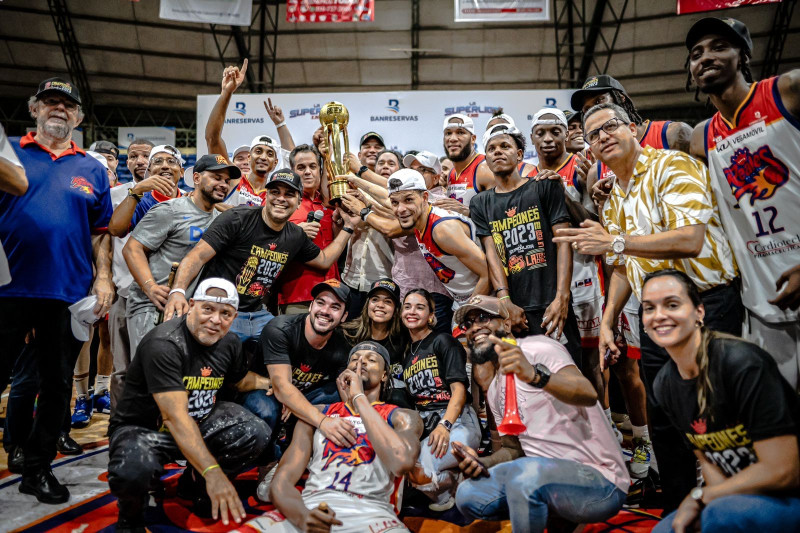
{"points": [[51, 501]]}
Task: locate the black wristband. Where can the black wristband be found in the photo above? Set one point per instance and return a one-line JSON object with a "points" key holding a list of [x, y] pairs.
{"points": [[348, 230], [361, 170]]}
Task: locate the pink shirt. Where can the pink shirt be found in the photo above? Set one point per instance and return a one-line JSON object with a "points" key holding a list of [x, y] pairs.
{"points": [[555, 429]]}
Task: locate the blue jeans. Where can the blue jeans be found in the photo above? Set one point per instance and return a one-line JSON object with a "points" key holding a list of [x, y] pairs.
{"points": [[466, 430], [527, 489], [249, 325], [745, 513]]}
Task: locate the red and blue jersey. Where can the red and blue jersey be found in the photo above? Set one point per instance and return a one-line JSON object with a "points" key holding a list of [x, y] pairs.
{"points": [[463, 185], [146, 203], [46, 233]]}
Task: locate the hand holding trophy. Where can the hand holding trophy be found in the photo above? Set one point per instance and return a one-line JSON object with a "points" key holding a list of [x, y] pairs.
{"points": [[334, 118]]}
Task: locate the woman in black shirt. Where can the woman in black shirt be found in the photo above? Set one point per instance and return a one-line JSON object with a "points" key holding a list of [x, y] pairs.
{"points": [[735, 410], [434, 370], [380, 322]]}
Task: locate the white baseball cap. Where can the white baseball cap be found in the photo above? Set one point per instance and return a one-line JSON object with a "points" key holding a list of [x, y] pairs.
{"points": [[266, 140], [424, 158], [83, 317], [242, 148], [163, 148], [497, 130], [560, 120], [406, 179], [466, 122], [99, 157], [508, 118], [231, 296]]}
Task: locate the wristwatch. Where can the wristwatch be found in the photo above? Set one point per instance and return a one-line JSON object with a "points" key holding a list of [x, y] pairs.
{"points": [[135, 196], [364, 212], [361, 170], [447, 425], [543, 373], [618, 245], [697, 495]]}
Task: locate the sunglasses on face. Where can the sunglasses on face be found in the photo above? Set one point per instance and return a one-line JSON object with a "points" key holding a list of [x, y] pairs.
{"points": [[610, 126], [69, 105], [479, 319]]}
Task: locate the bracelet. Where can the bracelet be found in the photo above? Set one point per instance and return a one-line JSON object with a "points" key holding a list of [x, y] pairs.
{"points": [[348, 230], [177, 290], [353, 401], [321, 421], [282, 124], [209, 468], [500, 289], [151, 280], [504, 297]]}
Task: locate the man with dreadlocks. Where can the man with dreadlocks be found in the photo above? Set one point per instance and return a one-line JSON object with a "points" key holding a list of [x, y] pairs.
{"points": [[355, 487], [752, 145]]}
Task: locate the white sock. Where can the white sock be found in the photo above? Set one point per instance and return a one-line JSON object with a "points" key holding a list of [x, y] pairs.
{"points": [[608, 415], [101, 384], [640, 432], [81, 386]]}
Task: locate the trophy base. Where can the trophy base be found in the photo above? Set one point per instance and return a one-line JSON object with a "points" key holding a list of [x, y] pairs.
{"points": [[338, 189]]}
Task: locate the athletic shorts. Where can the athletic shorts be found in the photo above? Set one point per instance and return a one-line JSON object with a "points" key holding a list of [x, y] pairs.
{"points": [[589, 315], [781, 341], [629, 324], [358, 515]]}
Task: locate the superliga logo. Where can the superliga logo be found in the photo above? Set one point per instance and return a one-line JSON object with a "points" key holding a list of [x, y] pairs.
{"points": [[394, 107], [312, 112], [471, 110]]}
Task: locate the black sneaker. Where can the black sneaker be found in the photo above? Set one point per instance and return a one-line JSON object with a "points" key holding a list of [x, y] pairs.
{"points": [[131, 525], [16, 459], [44, 485], [66, 445]]}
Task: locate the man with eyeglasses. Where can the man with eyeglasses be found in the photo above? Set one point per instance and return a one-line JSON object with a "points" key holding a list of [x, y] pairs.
{"points": [[661, 214], [47, 234]]}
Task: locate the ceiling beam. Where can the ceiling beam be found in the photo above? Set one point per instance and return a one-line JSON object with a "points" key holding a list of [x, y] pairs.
{"points": [[72, 52]]}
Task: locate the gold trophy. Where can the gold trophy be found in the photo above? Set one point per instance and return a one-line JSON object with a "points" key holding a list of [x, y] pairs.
{"points": [[334, 118]]}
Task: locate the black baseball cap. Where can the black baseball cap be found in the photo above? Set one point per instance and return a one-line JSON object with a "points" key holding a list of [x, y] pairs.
{"points": [[371, 135], [387, 285], [59, 85], [217, 162], [105, 147], [338, 288], [372, 347], [287, 177], [572, 116], [733, 29], [594, 85]]}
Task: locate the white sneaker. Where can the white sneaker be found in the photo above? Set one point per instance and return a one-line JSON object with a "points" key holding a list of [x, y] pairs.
{"points": [[447, 504], [640, 461], [262, 492]]}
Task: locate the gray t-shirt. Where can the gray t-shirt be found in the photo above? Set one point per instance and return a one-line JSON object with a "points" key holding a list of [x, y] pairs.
{"points": [[169, 230]]}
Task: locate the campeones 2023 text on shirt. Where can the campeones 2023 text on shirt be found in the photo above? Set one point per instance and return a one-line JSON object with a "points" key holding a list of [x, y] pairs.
{"points": [[170, 359], [283, 342], [430, 366], [521, 225], [251, 255]]}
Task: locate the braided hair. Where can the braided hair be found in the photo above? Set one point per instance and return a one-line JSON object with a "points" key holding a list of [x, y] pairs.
{"points": [[625, 102]]}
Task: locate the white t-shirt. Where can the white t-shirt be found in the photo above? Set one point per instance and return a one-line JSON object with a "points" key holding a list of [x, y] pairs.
{"points": [[120, 274], [556, 429], [7, 153]]}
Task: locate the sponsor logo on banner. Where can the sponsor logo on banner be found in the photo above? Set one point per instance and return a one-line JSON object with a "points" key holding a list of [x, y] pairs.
{"points": [[240, 108], [394, 107], [471, 110], [330, 10], [312, 112]]}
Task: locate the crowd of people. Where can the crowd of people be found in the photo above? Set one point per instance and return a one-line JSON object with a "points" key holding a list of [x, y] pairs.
{"points": [[384, 338]]}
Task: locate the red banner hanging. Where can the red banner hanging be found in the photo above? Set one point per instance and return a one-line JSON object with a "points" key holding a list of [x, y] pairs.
{"points": [[696, 6], [330, 10]]}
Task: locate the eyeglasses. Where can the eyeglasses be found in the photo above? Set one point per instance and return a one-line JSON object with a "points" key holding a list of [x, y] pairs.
{"points": [[69, 105], [611, 125], [171, 161], [426, 170], [480, 318]]}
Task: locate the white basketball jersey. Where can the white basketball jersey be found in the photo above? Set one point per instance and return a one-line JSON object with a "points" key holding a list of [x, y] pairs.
{"points": [[755, 163]]}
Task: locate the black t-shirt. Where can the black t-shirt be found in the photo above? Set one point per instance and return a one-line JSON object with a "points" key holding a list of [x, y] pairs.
{"points": [[751, 402], [251, 255], [283, 341], [170, 359], [430, 366], [520, 223]]}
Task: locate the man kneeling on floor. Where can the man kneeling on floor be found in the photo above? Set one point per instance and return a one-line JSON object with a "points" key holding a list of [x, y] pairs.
{"points": [[566, 464], [350, 489], [168, 411]]}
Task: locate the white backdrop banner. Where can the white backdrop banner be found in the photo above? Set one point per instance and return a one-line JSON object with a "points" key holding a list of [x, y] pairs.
{"points": [[409, 120], [154, 134], [502, 10], [233, 12]]}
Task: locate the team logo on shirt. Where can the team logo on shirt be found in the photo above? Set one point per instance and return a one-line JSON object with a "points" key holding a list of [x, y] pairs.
{"points": [[758, 174], [360, 453], [699, 426], [205, 371], [442, 272], [81, 183]]}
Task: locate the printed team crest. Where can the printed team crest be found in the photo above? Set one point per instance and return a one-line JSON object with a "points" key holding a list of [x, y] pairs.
{"points": [[699, 426], [81, 183], [359, 453], [591, 82], [205, 371], [273, 246], [511, 212], [221, 160], [304, 367], [758, 174]]}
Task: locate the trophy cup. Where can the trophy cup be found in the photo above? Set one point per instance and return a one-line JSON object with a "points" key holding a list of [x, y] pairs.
{"points": [[334, 118]]}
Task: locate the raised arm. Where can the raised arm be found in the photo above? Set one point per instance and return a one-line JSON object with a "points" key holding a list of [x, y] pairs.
{"points": [[276, 114], [232, 78]]}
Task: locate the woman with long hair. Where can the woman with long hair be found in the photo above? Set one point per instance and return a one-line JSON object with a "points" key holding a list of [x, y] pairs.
{"points": [[434, 370], [380, 322], [737, 413]]}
